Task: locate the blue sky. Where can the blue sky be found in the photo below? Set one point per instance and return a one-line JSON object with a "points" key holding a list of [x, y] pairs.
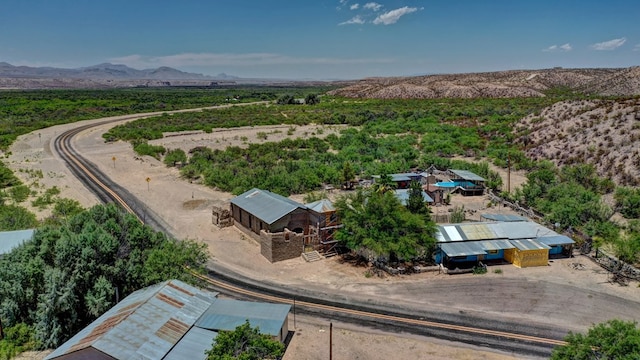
{"points": [[322, 39]]}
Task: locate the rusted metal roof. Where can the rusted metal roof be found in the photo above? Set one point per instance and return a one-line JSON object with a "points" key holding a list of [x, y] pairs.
{"points": [[193, 345], [144, 325]]}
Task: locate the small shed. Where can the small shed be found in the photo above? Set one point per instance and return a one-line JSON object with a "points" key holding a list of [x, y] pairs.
{"points": [[259, 210], [527, 253]]}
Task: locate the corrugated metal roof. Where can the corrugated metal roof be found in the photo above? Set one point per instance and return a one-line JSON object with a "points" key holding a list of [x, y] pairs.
{"points": [[193, 345], [403, 196], [555, 240], [321, 206], [467, 175], [528, 244], [462, 248], [228, 314], [265, 205], [521, 230], [146, 324], [477, 231], [503, 217], [496, 244], [493, 230], [10, 240]]}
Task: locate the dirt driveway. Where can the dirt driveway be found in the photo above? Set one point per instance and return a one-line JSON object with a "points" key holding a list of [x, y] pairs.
{"points": [[572, 292]]}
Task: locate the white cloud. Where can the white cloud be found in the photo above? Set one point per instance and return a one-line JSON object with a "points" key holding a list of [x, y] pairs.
{"points": [[562, 48], [636, 48], [354, 6], [372, 6], [566, 47], [250, 59], [609, 45], [354, 20], [391, 17]]}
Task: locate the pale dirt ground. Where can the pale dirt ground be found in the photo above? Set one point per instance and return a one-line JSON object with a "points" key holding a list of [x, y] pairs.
{"points": [[574, 292]]}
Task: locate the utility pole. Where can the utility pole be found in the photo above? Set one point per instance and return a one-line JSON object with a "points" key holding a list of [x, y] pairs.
{"points": [[330, 341], [509, 172], [114, 162], [148, 181]]}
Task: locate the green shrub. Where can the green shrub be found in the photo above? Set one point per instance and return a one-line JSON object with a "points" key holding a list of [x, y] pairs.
{"points": [[143, 148]]}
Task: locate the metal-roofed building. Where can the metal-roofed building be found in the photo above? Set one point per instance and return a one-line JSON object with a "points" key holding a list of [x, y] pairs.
{"points": [[467, 183], [502, 217], [527, 252], [402, 180], [145, 325], [523, 243], [403, 196], [10, 240], [226, 314], [263, 210], [161, 322], [323, 224]]}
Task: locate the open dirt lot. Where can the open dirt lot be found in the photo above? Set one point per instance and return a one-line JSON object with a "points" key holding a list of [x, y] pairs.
{"points": [[572, 292]]}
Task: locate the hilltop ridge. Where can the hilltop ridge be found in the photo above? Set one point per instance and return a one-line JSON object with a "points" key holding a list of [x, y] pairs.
{"points": [[499, 84]]}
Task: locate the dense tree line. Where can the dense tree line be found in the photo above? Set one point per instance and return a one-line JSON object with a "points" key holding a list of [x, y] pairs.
{"points": [[23, 111], [73, 271]]}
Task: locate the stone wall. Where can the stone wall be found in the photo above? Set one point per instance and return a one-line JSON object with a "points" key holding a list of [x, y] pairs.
{"points": [[221, 216], [280, 246]]}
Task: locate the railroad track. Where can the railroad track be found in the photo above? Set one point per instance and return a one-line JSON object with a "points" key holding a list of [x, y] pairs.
{"points": [[493, 333]]}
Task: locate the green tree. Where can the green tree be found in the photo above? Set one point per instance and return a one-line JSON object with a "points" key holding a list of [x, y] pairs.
{"points": [[244, 343], [348, 175], [312, 99], [415, 202], [628, 202], [19, 193], [13, 217], [175, 156], [286, 99], [384, 183], [376, 222], [614, 339], [67, 275]]}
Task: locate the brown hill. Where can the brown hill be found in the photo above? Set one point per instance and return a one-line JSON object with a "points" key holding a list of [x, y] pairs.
{"points": [[605, 133], [515, 83]]}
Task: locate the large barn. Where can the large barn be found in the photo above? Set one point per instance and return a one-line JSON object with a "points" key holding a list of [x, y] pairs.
{"points": [[168, 321]]}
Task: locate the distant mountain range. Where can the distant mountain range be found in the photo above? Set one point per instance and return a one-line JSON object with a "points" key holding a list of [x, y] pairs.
{"points": [[106, 71]]}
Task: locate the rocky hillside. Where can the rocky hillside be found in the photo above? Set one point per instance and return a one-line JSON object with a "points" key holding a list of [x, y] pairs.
{"points": [[516, 83], [605, 133]]}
